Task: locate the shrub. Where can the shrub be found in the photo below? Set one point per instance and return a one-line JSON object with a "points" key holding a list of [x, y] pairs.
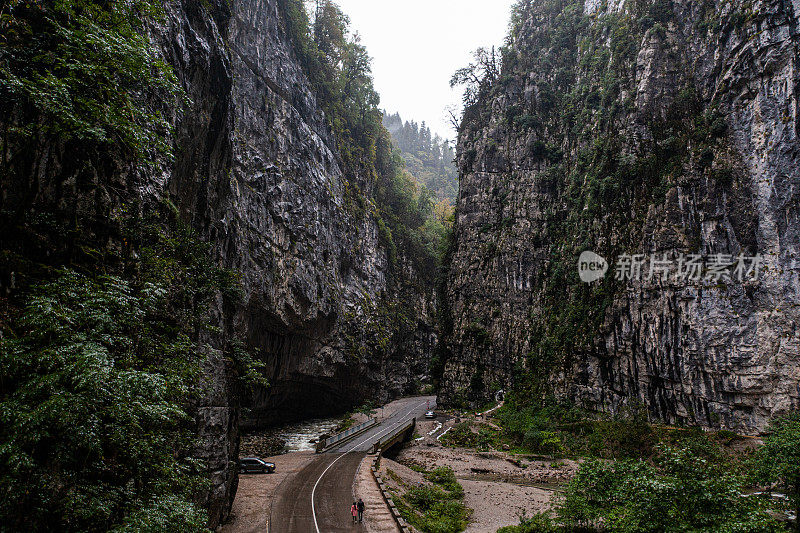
{"points": [[96, 379], [462, 435], [688, 488], [436, 508], [538, 523], [446, 478], [91, 408], [84, 71], [778, 461]]}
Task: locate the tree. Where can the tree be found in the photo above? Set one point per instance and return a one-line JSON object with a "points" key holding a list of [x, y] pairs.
{"points": [[778, 461], [688, 488], [428, 157], [94, 434], [478, 76]]}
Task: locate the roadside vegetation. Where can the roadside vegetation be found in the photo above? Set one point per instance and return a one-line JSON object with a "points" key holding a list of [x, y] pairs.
{"points": [[99, 376], [639, 477], [435, 507], [688, 487]]}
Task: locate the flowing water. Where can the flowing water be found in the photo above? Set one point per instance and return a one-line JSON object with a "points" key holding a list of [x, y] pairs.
{"points": [[298, 436]]}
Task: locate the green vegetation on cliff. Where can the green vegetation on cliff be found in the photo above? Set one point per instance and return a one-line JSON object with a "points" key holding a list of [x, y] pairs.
{"points": [[605, 158], [82, 72], [106, 321], [339, 69], [98, 373]]}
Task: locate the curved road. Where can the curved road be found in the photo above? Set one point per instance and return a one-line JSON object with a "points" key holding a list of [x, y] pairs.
{"points": [[318, 498]]}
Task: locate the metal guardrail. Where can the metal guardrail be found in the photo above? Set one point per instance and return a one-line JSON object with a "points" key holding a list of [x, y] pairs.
{"points": [[339, 437], [387, 441]]}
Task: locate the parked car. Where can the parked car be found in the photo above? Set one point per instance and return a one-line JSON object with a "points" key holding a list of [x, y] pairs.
{"points": [[430, 414], [253, 465]]}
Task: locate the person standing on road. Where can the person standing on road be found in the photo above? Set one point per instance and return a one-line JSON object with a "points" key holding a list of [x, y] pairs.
{"points": [[360, 507], [354, 511]]}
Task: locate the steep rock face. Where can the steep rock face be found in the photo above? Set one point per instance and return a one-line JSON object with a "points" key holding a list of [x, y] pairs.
{"points": [[649, 127], [315, 275], [257, 175]]}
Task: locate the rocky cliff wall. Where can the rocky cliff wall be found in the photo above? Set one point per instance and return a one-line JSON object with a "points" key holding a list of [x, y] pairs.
{"points": [[266, 187], [257, 175], [633, 127]]}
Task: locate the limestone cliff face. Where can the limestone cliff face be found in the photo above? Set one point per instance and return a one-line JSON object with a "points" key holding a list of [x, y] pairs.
{"points": [[633, 127], [257, 175]]}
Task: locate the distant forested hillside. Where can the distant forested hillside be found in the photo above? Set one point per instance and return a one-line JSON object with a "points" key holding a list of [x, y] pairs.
{"points": [[428, 157]]}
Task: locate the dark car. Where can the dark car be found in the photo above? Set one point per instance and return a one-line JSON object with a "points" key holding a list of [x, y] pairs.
{"points": [[253, 465], [430, 415]]}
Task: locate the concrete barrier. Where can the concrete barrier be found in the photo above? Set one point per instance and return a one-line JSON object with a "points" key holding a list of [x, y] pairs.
{"points": [[387, 497], [403, 434], [345, 436]]}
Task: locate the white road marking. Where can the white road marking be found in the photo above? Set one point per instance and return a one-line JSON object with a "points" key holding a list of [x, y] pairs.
{"points": [[437, 428], [314, 490], [495, 408], [444, 432]]}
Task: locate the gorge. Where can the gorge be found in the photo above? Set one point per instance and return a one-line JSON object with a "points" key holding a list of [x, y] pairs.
{"points": [[645, 127]]}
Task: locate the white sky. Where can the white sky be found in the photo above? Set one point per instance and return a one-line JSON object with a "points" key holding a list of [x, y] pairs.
{"points": [[417, 45]]}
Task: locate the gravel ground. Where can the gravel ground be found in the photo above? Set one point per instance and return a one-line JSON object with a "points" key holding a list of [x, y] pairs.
{"points": [[499, 487], [488, 466], [254, 496], [495, 505]]}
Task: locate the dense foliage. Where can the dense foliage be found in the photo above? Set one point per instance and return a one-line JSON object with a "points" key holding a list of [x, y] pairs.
{"points": [[687, 488], [82, 71], [778, 461], [429, 158], [96, 376], [99, 362], [563, 430]]}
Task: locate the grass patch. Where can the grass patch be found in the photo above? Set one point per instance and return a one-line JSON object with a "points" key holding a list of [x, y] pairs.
{"points": [[438, 507], [468, 435]]}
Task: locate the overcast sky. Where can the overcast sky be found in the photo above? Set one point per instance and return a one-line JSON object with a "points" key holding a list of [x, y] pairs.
{"points": [[417, 45]]}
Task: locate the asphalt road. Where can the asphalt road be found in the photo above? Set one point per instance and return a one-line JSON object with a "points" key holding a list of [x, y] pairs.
{"points": [[318, 498]]}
